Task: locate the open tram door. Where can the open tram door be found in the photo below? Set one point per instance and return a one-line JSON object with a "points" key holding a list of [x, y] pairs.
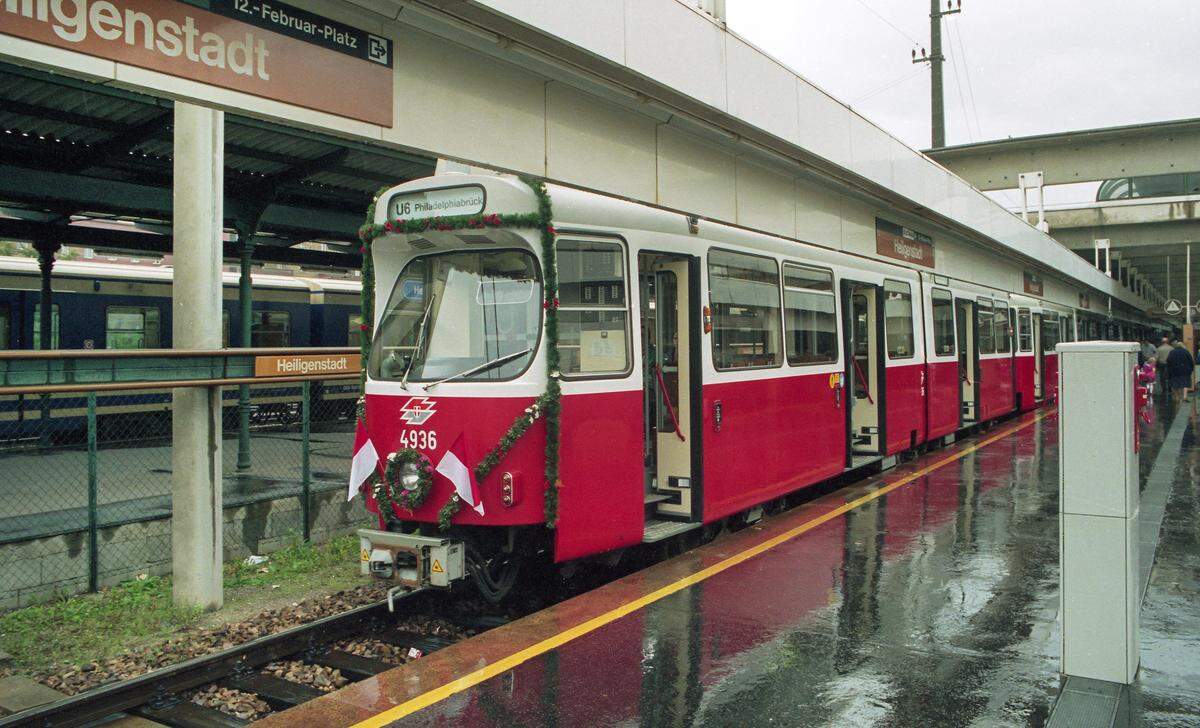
{"points": [[967, 323], [862, 328], [669, 287]]}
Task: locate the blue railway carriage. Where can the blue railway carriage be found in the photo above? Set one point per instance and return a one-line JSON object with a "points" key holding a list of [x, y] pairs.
{"points": [[111, 305]]}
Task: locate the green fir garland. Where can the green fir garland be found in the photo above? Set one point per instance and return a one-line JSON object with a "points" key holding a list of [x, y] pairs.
{"points": [[547, 405]]}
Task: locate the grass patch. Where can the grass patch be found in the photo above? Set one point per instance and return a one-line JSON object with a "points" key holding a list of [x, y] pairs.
{"points": [[94, 627]]}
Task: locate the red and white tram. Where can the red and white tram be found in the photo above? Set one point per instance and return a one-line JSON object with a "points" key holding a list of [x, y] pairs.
{"points": [[706, 371]]}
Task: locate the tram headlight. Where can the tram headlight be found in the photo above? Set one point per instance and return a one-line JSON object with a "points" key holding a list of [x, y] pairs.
{"points": [[409, 476]]}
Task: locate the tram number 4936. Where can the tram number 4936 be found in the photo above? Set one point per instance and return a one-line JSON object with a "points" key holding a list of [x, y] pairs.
{"points": [[419, 439]]}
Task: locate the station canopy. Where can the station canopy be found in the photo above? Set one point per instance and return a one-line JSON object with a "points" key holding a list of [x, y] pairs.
{"points": [[90, 165]]}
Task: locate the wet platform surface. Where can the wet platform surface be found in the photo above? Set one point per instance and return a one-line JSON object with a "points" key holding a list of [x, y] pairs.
{"points": [[927, 596]]}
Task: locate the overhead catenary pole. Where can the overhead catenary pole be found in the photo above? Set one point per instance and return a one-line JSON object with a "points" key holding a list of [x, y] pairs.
{"points": [[935, 58]]}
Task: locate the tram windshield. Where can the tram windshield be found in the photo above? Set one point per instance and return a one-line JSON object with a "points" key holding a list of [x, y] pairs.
{"points": [[467, 316]]}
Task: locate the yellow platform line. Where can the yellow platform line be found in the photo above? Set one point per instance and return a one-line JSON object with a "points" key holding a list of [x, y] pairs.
{"points": [[496, 668]]}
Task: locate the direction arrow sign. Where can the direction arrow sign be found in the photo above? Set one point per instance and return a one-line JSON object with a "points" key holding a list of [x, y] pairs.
{"points": [[1173, 307]]}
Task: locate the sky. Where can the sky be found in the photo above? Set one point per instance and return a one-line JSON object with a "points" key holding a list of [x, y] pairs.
{"points": [[1013, 67]]}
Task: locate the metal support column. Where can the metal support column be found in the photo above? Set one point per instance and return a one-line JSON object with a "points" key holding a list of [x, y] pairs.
{"points": [[305, 465], [46, 251], [246, 315], [93, 497], [196, 479]]}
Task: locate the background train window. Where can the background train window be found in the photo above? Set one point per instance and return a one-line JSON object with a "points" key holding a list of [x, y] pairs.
{"points": [[1024, 330], [5, 327], [37, 326], [593, 332], [984, 332], [1067, 330], [1002, 329], [898, 319], [744, 295], [270, 329], [809, 315], [354, 332], [131, 327], [943, 323]]}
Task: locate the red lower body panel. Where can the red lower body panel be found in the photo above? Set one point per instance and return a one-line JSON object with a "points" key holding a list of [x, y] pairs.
{"points": [[905, 404], [1025, 382], [776, 435], [600, 503], [995, 387], [943, 405]]}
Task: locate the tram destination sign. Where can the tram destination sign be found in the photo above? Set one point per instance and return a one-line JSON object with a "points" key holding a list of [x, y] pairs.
{"points": [[466, 200], [264, 48], [902, 243]]}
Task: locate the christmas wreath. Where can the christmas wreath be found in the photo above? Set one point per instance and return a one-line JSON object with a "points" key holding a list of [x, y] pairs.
{"points": [[409, 478]]}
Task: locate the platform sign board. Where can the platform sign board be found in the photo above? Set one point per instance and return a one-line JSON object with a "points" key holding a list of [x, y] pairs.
{"points": [[1033, 284], [306, 365], [261, 47], [902, 243]]}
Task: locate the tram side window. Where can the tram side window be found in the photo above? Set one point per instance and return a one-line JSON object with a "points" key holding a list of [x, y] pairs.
{"points": [[898, 319], [593, 332], [744, 295], [809, 315], [270, 329], [1067, 329], [987, 344], [1024, 330], [37, 326], [1002, 330], [131, 327], [1050, 334], [943, 322]]}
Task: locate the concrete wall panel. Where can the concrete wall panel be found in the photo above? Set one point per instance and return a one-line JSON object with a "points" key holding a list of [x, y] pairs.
{"points": [[765, 199], [761, 90], [824, 124], [858, 227], [870, 151], [598, 145], [818, 214], [677, 46], [594, 25], [694, 176], [466, 105]]}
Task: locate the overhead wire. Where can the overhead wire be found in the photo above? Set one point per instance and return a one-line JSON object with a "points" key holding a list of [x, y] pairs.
{"points": [[886, 86], [962, 101], [890, 24], [962, 51]]}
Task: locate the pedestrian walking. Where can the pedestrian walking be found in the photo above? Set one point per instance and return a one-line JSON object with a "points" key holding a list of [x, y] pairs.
{"points": [[1180, 365], [1160, 358]]}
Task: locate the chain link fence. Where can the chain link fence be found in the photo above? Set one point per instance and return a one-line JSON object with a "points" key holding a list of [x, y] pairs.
{"points": [[85, 481]]}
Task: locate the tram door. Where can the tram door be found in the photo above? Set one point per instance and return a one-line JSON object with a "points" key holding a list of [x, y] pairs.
{"points": [[666, 284], [862, 307], [1039, 364], [968, 359]]}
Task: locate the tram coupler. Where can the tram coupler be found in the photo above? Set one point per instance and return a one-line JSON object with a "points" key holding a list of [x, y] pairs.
{"points": [[412, 561]]}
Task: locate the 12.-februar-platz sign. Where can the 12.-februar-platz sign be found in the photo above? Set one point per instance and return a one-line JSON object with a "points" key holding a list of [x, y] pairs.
{"points": [[261, 47]]}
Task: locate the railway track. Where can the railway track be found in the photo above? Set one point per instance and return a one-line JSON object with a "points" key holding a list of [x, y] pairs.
{"points": [[161, 695]]}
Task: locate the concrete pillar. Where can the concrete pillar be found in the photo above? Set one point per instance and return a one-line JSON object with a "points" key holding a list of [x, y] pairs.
{"points": [[245, 312], [1098, 511], [196, 309]]}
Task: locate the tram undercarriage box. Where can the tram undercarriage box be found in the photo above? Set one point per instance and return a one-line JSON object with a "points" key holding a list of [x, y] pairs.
{"points": [[411, 560]]}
